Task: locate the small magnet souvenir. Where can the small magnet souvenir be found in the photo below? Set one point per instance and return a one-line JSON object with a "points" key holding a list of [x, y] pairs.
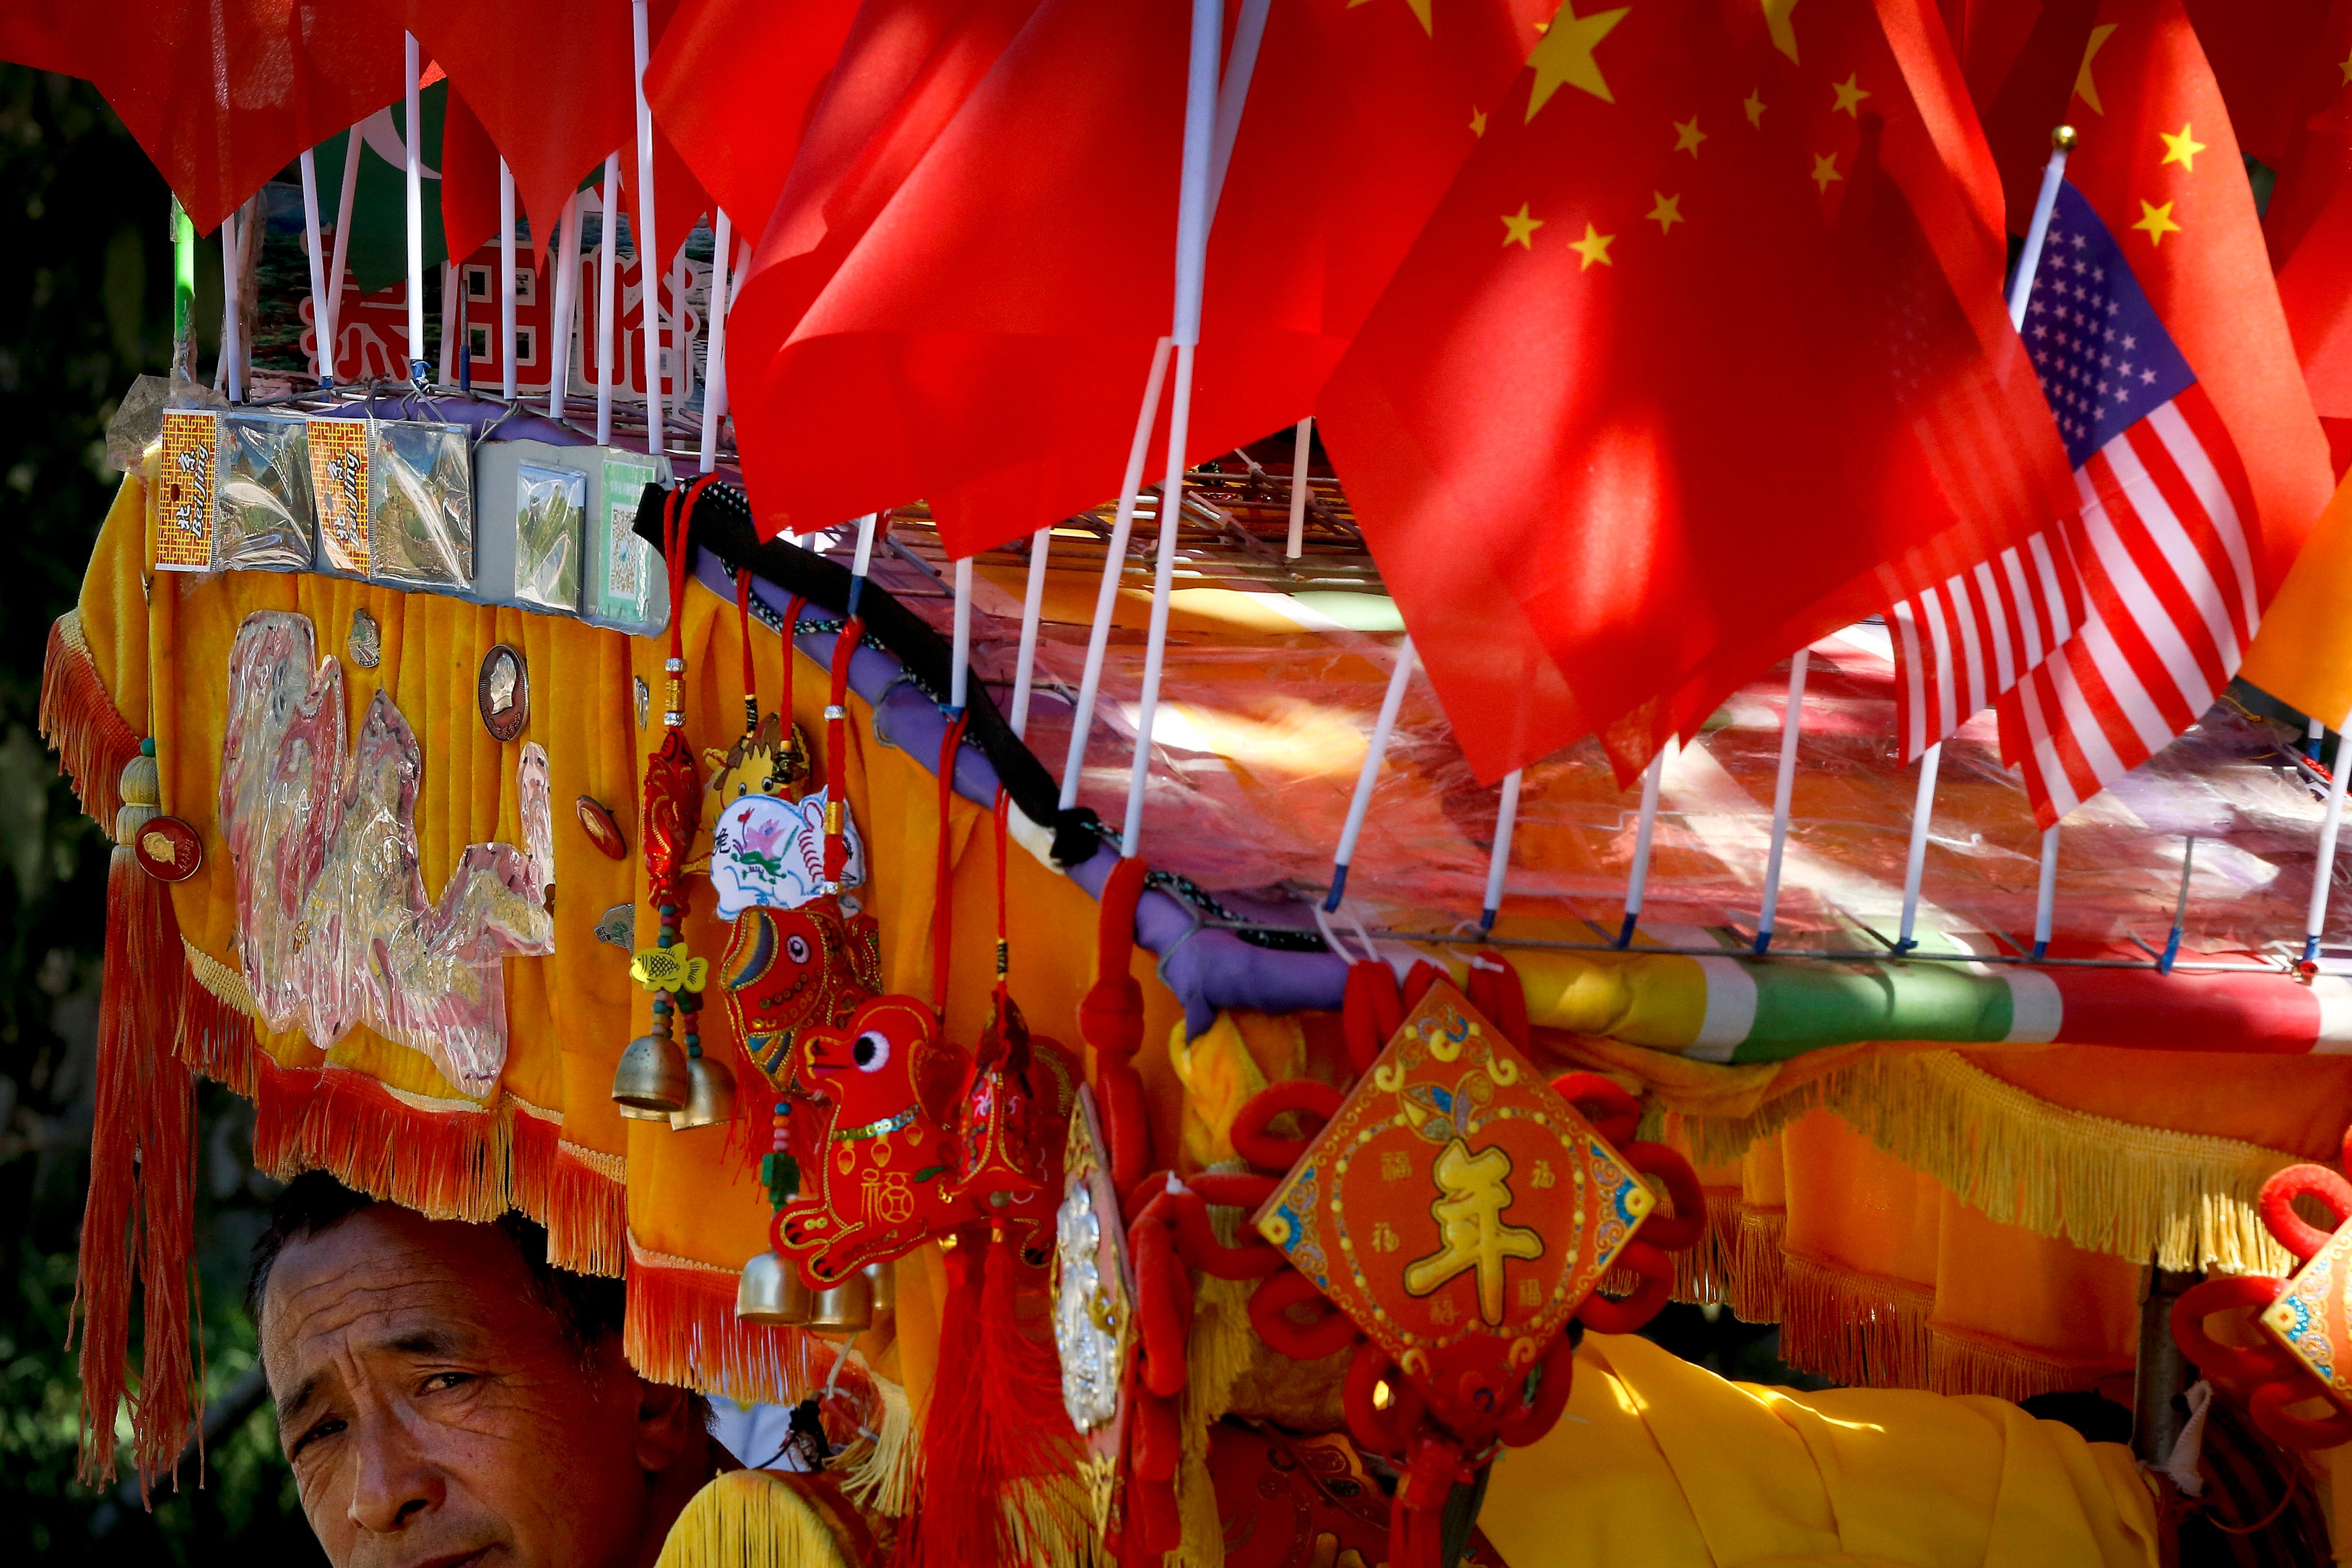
{"points": [[618, 926], [769, 852], [503, 692], [365, 644], [169, 849], [668, 969], [596, 820]]}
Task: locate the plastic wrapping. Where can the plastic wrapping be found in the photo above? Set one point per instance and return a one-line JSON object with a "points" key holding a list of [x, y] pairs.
{"points": [[625, 589], [420, 490], [263, 510], [551, 514], [334, 926]]}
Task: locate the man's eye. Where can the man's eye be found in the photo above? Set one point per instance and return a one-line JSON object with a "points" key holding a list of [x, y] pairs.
{"points": [[441, 1380], [327, 1428]]}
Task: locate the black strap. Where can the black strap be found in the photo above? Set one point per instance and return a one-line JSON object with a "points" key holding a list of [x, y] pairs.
{"points": [[721, 522]]}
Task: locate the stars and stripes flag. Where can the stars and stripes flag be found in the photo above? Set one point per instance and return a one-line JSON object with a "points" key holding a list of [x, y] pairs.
{"points": [[2171, 592]]}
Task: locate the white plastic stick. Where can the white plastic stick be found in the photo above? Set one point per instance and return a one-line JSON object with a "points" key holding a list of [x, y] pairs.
{"points": [[232, 325], [607, 286], [1298, 489], [1791, 726], [507, 275], [451, 305], [1645, 828], [2322, 871], [1192, 209], [2037, 230], [1032, 611], [1367, 778], [960, 667], [649, 267], [322, 363], [412, 162], [1915, 866], [352, 140], [714, 363], [1498, 864], [864, 560], [564, 261], [1114, 563], [2045, 897]]}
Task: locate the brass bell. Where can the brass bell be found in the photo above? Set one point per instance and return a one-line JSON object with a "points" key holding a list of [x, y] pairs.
{"points": [[709, 1095], [651, 1080], [770, 1291], [846, 1308], [885, 1278]]}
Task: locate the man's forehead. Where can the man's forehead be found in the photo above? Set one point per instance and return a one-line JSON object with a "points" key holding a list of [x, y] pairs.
{"points": [[386, 1276]]}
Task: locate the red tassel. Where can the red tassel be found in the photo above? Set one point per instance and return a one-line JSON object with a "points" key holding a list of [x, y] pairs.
{"points": [[996, 1418], [141, 1214], [79, 721]]}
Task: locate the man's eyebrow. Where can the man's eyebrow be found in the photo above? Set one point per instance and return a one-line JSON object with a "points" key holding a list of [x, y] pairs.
{"points": [[421, 1341], [305, 1392]]}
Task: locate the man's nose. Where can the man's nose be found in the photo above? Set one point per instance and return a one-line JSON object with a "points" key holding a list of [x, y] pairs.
{"points": [[395, 1485]]}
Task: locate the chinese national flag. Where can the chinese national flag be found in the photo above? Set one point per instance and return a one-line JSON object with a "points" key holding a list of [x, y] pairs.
{"points": [[1677, 378], [984, 344]]}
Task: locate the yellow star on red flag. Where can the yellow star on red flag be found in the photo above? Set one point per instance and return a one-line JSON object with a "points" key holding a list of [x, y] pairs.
{"points": [[1520, 229], [1849, 96], [2155, 221], [1592, 247], [1564, 56], [1825, 169], [2181, 149], [1687, 136], [1666, 212]]}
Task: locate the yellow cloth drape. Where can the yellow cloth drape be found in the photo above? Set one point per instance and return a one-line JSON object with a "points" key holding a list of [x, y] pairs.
{"points": [[1661, 1464]]}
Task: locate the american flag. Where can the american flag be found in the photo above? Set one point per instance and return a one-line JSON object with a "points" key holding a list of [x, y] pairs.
{"points": [[2170, 592]]}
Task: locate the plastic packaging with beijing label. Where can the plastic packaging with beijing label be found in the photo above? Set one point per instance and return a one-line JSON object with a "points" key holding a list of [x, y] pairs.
{"points": [[551, 513], [339, 481], [235, 492], [627, 590], [420, 490]]}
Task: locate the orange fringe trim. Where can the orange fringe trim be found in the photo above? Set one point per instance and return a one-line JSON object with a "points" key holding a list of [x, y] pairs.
{"points": [[1854, 1328], [584, 1210], [1968, 1365], [1703, 1272], [1759, 1271], [80, 722], [681, 1327]]}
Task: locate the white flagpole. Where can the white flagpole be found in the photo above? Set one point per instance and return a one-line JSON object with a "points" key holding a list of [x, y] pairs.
{"points": [[1637, 885], [2323, 870], [607, 285], [960, 670], [352, 140], [1368, 777], [507, 275], [714, 363], [1298, 546], [1033, 612], [2021, 290], [1791, 726], [563, 263], [1114, 563], [1192, 211], [1498, 865], [457, 358], [411, 160], [2046, 896], [649, 267], [323, 363], [232, 323], [863, 560]]}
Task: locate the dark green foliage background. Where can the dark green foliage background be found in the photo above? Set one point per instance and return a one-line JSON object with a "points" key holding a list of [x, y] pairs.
{"points": [[85, 305]]}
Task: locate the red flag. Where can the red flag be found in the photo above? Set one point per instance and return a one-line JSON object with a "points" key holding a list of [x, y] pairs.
{"points": [[987, 353], [2192, 511], [469, 179], [552, 82], [1676, 382], [2309, 224], [732, 84], [221, 97], [679, 200]]}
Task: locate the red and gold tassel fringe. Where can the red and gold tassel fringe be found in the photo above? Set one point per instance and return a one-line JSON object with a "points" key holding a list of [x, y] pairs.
{"points": [[140, 1219], [681, 1327], [1760, 1268], [80, 722], [1854, 1328], [561, 1184], [448, 1164]]}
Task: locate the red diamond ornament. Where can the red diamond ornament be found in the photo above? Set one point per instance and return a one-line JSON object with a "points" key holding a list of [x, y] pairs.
{"points": [[1456, 1208]]}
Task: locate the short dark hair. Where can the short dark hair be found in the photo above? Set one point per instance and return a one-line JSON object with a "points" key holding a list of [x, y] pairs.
{"points": [[588, 1307]]}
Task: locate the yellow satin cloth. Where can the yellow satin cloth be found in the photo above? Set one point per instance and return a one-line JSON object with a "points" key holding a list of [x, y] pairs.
{"points": [[1661, 1464]]}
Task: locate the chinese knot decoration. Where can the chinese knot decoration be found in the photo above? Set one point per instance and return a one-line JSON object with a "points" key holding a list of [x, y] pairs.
{"points": [[2304, 1317]]}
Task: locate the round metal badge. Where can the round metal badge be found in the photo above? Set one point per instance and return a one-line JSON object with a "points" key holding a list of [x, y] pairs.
{"points": [[169, 849], [503, 691]]}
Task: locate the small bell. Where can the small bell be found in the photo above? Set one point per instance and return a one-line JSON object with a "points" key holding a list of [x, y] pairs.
{"points": [[846, 1308], [651, 1080], [885, 1278], [770, 1291], [709, 1095]]}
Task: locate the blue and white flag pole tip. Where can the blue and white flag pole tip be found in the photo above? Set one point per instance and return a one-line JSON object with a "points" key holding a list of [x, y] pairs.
{"points": [[1339, 887], [1625, 932]]}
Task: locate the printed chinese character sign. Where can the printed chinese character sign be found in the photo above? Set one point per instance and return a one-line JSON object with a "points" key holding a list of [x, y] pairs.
{"points": [[1457, 1209]]}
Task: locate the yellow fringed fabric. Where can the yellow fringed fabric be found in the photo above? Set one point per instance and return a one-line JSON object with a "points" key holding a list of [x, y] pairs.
{"points": [[760, 1518], [1661, 1464]]}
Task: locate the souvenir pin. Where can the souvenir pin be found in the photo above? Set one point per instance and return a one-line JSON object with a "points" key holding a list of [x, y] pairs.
{"points": [[1094, 1316], [645, 700], [618, 926], [596, 820], [365, 644], [503, 692], [169, 849]]}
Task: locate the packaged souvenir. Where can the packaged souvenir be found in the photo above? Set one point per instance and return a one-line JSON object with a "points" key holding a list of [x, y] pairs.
{"points": [[531, 501], [338, 479], [626, 590], [420, 490], [235, 492]]}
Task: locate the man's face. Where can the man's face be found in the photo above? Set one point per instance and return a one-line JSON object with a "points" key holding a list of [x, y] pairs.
{"points": [[435, 1416]]}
